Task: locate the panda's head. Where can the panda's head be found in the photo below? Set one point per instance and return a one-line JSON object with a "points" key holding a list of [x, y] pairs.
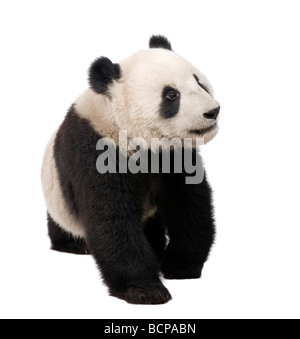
{"points": [[157, 94]]}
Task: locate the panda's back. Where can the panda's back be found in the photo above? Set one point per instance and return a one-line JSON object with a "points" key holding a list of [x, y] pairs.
{"points": [[54, 198]]}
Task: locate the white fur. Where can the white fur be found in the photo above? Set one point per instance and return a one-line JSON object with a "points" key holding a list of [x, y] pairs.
{"points": [[97, 110], [55, 202]]}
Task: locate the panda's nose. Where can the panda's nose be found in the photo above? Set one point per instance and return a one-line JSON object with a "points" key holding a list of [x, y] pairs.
{"points": [[213, 114]]}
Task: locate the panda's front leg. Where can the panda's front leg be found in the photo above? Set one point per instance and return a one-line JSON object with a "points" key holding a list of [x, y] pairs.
{"points": [[188, 215], [115, 237]]}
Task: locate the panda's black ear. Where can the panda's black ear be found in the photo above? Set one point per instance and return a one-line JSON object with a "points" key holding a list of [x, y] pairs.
{"points": [[102, 73], [159, 41]]}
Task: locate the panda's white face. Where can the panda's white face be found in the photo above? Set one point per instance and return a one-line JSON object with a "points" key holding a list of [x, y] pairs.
{"points": [[160, 94]]}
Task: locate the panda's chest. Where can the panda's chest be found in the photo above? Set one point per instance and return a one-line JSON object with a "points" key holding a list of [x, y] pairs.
{"points": [[150, 197]]}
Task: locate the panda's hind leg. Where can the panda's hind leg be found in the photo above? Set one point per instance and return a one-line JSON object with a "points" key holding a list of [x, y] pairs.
{"points": [[62, 241], [155, 233]]}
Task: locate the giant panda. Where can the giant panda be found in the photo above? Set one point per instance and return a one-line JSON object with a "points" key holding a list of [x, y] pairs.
{"points": [[136, 225]]}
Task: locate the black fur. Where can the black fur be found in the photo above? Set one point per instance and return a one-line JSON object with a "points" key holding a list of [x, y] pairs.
{"points": [[102, 73], [64, 242], [155, 233], [169, 108], [200, 84], [159, 41], [188, 215], [131, 253]]}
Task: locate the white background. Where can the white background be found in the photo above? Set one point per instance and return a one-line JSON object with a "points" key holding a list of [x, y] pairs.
{"points": [[250, 52]]}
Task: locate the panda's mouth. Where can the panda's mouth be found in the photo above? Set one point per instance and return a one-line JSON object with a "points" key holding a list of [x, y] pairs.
{"points": [[204, 130]]}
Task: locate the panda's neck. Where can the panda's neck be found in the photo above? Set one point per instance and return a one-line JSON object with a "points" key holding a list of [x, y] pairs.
{"points": [[96, 109]]}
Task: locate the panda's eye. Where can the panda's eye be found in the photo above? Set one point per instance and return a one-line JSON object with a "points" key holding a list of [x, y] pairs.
{"points": [[172, 95], [170, 103]]}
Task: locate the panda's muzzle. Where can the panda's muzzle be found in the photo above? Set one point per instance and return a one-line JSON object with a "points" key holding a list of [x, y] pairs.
{"points": [[211, 115], [204, 130]]}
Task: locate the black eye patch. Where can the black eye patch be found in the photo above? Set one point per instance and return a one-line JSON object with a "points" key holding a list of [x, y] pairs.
{"points": [[170, 104], [201, 85]]}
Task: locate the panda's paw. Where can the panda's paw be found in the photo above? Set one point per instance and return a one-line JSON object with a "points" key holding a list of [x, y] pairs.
{"points": [[182, 271], [147, 294]]}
